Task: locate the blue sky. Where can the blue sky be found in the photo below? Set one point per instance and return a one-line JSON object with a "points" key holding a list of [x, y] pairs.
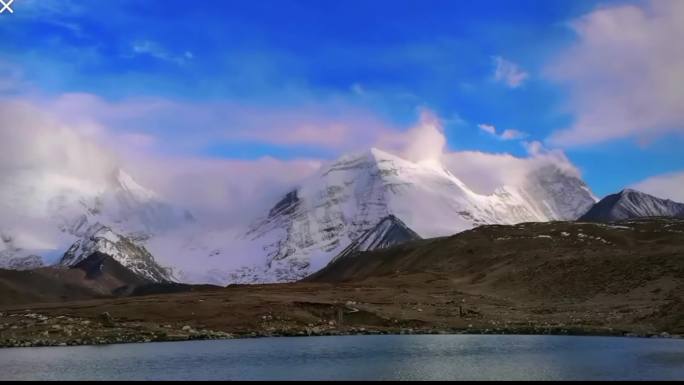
{"points": [[368, 61]]}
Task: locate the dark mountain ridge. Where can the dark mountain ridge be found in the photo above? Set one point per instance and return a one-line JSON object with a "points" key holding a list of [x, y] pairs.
{"points": [[628, 204]]}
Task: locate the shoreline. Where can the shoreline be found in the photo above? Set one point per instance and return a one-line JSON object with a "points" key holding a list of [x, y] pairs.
{"points": [[186, 333]]}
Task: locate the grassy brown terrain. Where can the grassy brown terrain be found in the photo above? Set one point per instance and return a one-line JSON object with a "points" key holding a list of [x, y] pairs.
{"points": [[556, 278]]}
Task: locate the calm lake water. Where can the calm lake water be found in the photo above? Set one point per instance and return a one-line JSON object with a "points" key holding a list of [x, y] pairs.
{"points": [[431, 357]]}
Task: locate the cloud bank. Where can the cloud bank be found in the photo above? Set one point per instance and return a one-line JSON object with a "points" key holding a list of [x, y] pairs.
{"points": [[484, 172], [42, 153], [173, 126], [625, 74], [80, 139]]}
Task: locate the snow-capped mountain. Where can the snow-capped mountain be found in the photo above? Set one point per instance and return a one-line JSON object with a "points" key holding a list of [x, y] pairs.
{"points": [[389, 232], [101, 239], [127, 207], [629, 204], [11, 256], [54, 212], [318, 220], [330, 211]]}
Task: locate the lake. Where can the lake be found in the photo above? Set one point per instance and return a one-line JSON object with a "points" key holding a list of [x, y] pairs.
{"points": [[406, 357]]}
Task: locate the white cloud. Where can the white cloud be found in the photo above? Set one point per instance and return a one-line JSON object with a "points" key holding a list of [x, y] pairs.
{"points": [[485, 172], [31, 139], [42, 152], [331, 126], [508, 134], [488, 128], [40, 158], [154, 49], [424, 141], [625, 74], [508, 72], [511, 134], [233, 192], [668, 186]]}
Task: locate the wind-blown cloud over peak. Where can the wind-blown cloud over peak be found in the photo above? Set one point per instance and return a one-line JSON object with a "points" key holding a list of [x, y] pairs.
{"points": [[425, 141], [485, 172]]}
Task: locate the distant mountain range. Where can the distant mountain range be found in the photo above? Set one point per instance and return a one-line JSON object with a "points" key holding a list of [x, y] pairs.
{"points": [[358, 203]]}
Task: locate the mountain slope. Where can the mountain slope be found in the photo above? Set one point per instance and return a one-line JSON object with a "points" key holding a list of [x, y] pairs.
{"points": [[554, 260], [614, 276], [389, 232], [318, 220], [629, 204], [101, 239], [97, 276]]}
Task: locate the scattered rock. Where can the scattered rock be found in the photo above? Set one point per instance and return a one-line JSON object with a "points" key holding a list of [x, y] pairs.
{"points": [[106, 319]]}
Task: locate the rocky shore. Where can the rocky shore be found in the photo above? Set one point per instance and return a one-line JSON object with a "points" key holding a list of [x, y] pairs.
{"points": [[29, 329]]}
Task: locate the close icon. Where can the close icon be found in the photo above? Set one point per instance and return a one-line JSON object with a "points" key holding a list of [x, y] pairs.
{"points": [[6, 6]]}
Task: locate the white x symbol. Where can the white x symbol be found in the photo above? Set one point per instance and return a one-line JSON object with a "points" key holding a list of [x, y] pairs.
{"points": [[6, 6]]}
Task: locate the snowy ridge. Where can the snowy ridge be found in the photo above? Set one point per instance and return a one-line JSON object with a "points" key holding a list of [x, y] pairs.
{"points": [[389, 232], [99, 238], [315, 222], [629, 204]]}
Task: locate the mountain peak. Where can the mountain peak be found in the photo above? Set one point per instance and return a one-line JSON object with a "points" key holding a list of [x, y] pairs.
{"points": [[379, 154], [125, 182], [390, 231], [631, 191], [630, 203], [101, 239], [373, 154]]}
